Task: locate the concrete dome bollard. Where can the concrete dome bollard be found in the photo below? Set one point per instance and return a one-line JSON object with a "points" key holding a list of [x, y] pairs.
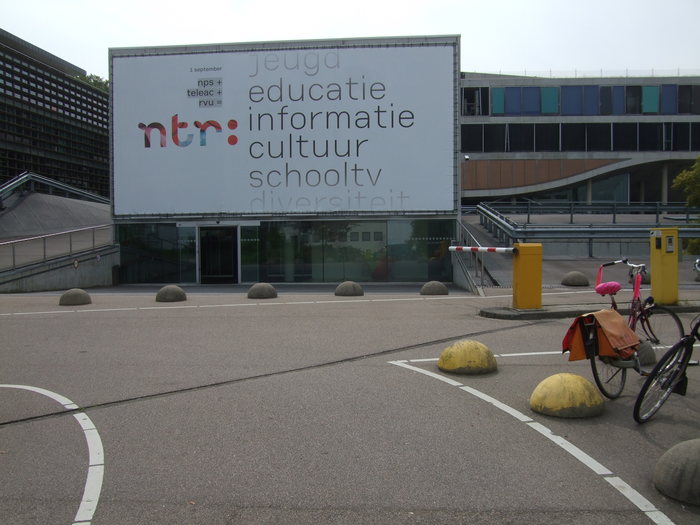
{"points": [[567, 395], [467, 357], [434, 288], [74, 297], [262, 291], [575, 278], [171, 293], [677, 473], [349, 289]]}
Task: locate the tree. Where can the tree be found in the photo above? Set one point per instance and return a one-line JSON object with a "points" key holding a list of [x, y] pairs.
{"points": [[95, 81], [688, 181]]}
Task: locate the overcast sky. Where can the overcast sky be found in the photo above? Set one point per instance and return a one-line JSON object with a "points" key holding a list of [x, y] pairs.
{"points": [[509, 36]]}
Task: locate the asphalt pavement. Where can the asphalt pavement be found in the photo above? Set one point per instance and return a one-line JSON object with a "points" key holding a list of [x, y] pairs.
{"points": [[312, 408]]}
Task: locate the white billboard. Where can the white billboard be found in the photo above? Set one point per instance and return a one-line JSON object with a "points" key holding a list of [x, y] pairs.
{"points": [[346, 127]]}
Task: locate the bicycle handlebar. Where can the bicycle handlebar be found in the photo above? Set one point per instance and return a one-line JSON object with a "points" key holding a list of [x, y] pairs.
{"points": [[623, 261]]}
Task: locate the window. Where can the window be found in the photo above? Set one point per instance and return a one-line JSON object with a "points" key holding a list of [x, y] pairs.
{"points": [[681, 136], [651, 136], [521, 137], [572, 100], [695, 136], [606, 100], [573, 137], [546, 137], [475, 101], [650, 99], [472, 138], [624, 137], [590, 100], [498, 101], [633, 100], [494, 138], [512, 101], [598, 137], [531, 101], [550, 100], [669, 99]]}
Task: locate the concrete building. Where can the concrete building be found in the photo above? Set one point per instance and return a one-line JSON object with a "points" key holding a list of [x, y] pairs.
{"points": [[617, 139], [51, 123]]}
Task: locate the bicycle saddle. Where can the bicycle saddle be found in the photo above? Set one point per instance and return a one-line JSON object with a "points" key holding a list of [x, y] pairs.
{"points": [[609, 288]]}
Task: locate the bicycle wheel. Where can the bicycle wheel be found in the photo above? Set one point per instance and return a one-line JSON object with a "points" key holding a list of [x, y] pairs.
{"points": [[659, 326], [661, 381], [610, 379]]}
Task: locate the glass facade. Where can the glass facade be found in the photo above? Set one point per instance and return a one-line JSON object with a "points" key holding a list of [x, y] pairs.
{"points": [[51, 123], [392, 250], [572, 100], [580, 136], [574, 103]]}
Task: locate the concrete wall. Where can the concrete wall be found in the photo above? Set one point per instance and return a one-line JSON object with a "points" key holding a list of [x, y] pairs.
{"points": [[86, 270]]}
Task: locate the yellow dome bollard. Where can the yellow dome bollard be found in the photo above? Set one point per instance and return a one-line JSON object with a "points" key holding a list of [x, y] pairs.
{"points": [[567, 395], [467, 357]]}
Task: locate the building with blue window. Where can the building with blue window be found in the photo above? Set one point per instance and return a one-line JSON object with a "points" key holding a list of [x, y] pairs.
{"points": [[577, 139]]}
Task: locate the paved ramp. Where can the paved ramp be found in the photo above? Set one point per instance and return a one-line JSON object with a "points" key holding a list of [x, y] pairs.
{"points": [[40, 214]]}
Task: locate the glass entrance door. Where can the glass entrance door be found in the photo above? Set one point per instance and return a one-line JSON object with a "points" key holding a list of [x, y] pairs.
{"points": [[218, 255]]}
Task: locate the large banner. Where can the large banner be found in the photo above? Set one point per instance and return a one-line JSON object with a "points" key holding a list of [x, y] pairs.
{"points": [[311, 130]]}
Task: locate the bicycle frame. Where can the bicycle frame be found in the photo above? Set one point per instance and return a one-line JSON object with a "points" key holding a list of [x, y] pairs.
{"points": [[612, 287]]}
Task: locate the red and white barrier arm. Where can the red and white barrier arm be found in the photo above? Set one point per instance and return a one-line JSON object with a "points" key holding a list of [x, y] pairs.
{"points": [[481, 249]]}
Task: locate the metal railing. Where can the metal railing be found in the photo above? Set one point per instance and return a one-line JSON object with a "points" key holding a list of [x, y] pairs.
{"points": [[508, 231], [682, 213], [33, 182], [24, 252]]}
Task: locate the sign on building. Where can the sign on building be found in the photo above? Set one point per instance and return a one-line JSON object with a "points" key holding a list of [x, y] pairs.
{"points": [[311, 127]]}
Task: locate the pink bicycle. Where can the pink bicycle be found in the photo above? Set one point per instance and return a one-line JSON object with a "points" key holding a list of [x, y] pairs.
{"points": [[654, 324]]}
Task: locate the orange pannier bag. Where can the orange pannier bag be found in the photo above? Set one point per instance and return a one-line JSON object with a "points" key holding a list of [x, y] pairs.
{"points": [[615, 338]]}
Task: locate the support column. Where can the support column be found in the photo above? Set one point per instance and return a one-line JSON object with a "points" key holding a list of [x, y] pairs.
{"points": [[664, 184]]}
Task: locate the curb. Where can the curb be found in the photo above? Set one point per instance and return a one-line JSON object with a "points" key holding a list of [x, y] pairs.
{"points": [[569, 311]]}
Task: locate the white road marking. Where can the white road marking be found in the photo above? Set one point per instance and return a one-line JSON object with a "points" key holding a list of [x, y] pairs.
{"points": [[268, 303], [95, 474], [623, 488], [519, 354]]}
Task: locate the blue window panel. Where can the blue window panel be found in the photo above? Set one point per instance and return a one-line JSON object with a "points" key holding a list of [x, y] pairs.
{"points": [[669, 99], [571, 100], [618, 100], [591, 104], [531, 101], [513, 101], [498, 97]]}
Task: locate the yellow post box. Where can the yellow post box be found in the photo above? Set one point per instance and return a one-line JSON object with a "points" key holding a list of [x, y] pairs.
{"points": [[527, 276], [663, 252]]}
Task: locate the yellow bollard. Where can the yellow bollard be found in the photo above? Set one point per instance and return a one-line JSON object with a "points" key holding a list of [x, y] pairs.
{"points": [[527, 276], [663, 253]]}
